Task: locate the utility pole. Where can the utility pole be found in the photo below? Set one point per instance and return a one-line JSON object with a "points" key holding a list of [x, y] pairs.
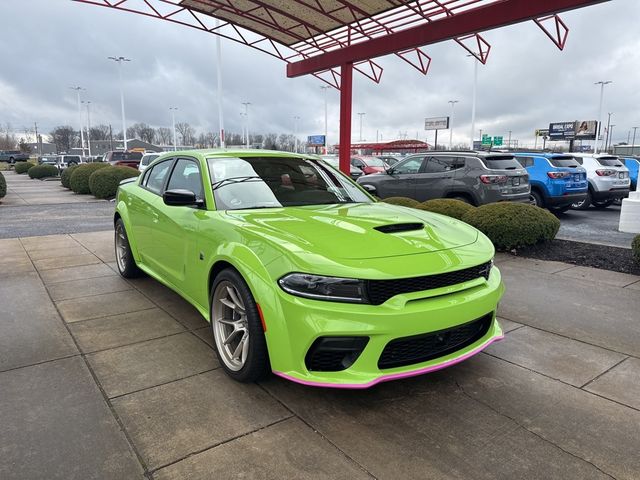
{"points": [[295, 131], [246, 112], [173, 122], [633, 142], [361, 114], [453, 103], [599, 131], [326, 134], [78, 89], [119, 60]]}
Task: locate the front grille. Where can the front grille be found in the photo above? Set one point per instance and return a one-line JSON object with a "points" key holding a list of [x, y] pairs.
{"points": [[425, 347], [379, 291]]}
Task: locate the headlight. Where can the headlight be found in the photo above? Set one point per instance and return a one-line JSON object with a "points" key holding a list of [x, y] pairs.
{"points": [[324, 288]]}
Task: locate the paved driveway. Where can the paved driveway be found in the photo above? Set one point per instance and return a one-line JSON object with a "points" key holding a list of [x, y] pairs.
{"points": [[102, 378]]}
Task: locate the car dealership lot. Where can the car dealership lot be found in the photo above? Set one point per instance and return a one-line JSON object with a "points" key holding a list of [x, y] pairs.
{"points": [[107, 378]]}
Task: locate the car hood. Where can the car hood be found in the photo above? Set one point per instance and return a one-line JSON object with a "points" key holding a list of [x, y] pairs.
{"points": [[349, 231]]}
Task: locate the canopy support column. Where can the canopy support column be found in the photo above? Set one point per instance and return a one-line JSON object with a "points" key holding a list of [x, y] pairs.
{"points": [[346, 87]]}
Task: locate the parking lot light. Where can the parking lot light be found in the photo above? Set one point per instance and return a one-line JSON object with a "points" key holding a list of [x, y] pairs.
{"points": [[119, 60], [78, 89], [173, 121], [453, 103], [599, 132]]}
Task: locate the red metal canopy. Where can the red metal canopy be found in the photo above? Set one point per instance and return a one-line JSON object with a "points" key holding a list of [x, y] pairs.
{"points": [[317, 36], [397, 146]]}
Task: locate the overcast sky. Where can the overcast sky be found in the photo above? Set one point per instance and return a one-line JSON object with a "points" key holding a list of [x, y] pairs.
{"points": [[48, 45]]}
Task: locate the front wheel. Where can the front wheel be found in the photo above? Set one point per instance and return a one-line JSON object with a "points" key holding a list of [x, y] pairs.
{"points": [[583, 204], [237, 329], [536, 199], [124, 258]]}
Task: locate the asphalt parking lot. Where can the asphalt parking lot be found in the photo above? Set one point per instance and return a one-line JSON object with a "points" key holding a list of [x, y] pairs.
{"points": [[107, 378], [594, 226]]}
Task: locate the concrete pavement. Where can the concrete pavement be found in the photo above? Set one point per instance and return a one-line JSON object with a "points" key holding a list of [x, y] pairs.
{"points": [[106, 378]]}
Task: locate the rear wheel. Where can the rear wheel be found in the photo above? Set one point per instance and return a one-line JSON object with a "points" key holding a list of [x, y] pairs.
{"points": [[604, 204], [536, 199], [124, 258], [237, 329], [583, 204]]}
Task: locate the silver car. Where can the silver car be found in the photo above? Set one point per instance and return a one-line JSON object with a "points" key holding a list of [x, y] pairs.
{"points": [[146, 159], [608, 180], [473, 177]]}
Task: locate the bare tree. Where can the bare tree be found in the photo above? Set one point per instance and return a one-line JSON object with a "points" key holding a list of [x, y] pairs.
{"points": [[64, 137], [99, 132], [147, 133], [270, 141], [7, 138], [186, 133], [164, 136]]}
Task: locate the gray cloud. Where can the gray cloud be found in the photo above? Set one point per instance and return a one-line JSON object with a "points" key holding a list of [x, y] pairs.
{"points": [[49, 45]]}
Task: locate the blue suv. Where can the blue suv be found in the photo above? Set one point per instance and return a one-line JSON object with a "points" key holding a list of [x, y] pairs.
{"points": [[633, 164], [557, 181]]}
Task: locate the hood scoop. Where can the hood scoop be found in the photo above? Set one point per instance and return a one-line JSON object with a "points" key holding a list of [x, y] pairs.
{"points": [[399, 227]]}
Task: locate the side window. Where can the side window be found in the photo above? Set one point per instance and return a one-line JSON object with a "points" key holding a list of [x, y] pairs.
{"points": [[525, 161], [154, 180], [412, 165], [356, 162], [186, 176], [439, 164]]}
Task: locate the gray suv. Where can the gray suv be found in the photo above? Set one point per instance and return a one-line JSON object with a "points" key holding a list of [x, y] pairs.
{"points": [[473, 177]]}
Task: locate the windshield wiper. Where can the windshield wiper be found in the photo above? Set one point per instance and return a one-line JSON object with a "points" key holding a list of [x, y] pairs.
{"points": [[230, 180]]}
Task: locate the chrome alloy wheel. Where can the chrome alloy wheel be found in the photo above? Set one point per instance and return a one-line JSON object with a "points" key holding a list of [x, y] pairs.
{"points": [[230, 326], [122, 248]]}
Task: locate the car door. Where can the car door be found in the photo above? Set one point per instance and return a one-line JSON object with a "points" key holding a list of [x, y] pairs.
{"points": [[175, 250], [143, 218], [435, 177], [401, 181]]}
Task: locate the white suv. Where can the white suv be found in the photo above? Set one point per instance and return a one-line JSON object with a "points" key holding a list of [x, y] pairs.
{"points": [[608, 180], [146, 159]]}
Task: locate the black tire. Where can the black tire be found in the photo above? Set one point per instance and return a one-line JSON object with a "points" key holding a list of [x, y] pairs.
{"points": [[561, 209], [257, 365], [124, 258], [604, 204], [12, 160], [536, 199], [584, 204]]}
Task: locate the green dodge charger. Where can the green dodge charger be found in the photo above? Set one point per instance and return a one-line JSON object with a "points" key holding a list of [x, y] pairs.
{"points": [[302, 273]]}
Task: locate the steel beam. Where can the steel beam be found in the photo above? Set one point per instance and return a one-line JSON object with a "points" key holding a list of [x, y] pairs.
{"points": [[346, 86], [488, 17]]}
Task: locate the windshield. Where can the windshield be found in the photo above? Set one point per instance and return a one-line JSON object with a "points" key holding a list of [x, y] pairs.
{"points": [[374, 162], [564, 162], [271, 182], [126, 156], [501, 163], [610, 162]]}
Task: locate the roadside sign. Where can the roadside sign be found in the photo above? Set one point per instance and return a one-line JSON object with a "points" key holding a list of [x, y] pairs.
{"points": [[436, 123], [486, 139], [542, 132], [497, 141], [315, 140]]}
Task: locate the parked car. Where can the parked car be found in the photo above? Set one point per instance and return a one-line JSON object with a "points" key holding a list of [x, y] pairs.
{"points": [[390, 160], [368, 164], [146, 159], [633, 165], [334, 161], [608, 180], [473, 177], [69, 160], [268, 246], [557, 181], [120, 158], [13, 156]]}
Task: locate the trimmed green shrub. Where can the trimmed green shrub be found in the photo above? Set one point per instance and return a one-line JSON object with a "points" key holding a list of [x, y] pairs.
{"points": [[3, 186], [65, 176], [23, 167], [402, 201], [43, 171], [4, 166], [635, 248], [104, 183], [447, 206], [79, 180], [510, 225]]}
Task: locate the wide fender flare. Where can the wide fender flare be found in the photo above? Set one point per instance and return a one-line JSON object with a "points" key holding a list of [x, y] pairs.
{"points": [[123, 212], [264, 289]]}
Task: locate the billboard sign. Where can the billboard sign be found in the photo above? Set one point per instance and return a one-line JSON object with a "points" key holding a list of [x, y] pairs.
{"points": [[436, 123], [542, 132], [580, 129], [315, 140], [586, 129]]}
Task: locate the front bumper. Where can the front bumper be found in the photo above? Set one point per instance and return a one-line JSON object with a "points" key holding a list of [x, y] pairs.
{"points": [[402, 316]]}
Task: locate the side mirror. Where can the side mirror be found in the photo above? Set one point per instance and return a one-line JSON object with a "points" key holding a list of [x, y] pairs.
{"points": [[389, 171], [180, 198], [369, 188]]}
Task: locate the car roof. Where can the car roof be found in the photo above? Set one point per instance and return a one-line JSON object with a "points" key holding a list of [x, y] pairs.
{"points": [[238, 152]]}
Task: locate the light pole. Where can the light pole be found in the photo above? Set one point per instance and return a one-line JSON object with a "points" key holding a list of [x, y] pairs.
{"points": [[119, 60], [219, 78], [88, 126], [361, 114], [509, 141], [474, 97], [606, 141], [599, 132], [326, 134], [242, 115], [296, 119], [610, 136], [453, 103], [173, 124], [78, 89], [633, 142], [246, 112]]}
